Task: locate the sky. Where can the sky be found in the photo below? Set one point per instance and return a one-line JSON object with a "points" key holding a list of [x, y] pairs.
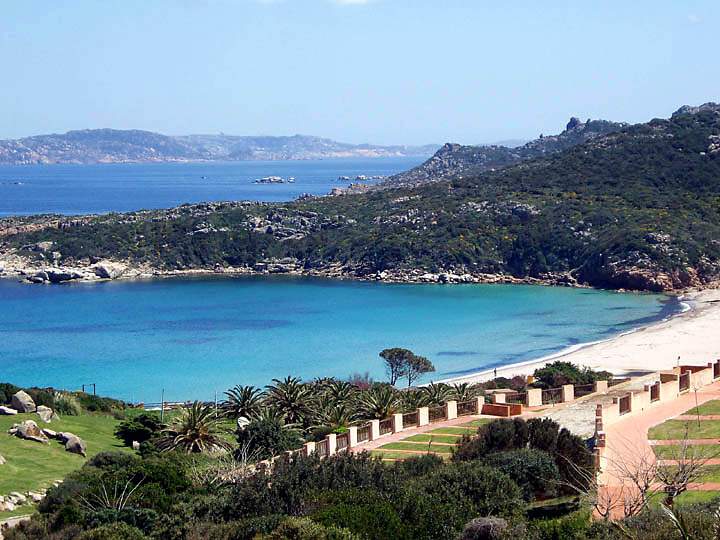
{"points": [[378, 71]]}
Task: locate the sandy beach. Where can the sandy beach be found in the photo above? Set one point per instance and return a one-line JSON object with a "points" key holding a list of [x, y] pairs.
{"points": [[693, 336]]}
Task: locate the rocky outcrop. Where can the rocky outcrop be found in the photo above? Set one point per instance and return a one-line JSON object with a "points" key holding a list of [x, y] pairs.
{"points": [[7, 411], [29, 431], [73, 443], [109, 269], [2, 460], [46, 414], [22, 402]]}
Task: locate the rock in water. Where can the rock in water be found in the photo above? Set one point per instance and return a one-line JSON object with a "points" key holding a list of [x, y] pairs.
{"points": [[30, 431], [75, 445], [109, 269], [22, 402], [7, 410], [46, 414]]}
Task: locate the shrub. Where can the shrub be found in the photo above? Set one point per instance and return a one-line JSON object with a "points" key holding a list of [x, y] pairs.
{"points": [[570, 527], [558, 373], [543, 434], [68, 405], [42, 396], [268, 437], [366, 513], [6, 392], [113, 531], [140, 428], [534, 471], [112, 460], [497, 436], [95, 403], [306, 529], [489, 528]]}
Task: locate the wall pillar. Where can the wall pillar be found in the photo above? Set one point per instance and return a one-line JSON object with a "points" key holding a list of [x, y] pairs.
{"points": [[397, 422], [352, 436], [309, 448], [498, 398], [568, 393], [533, 398], [480, 403], [374, 429], [451, 409], [600, 386], [331, 443], [423, 416]]}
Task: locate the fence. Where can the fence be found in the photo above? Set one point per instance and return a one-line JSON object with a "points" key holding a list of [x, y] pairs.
{"points": [[552, 395], [363, 433], [386, 426], [342, 442], [615, 382], [467, 407], [583, 390], [410, 419], [685, 381], [436, 413], [322, 448], [655, 392], [515, 397], [716, 369], [625, 404]]}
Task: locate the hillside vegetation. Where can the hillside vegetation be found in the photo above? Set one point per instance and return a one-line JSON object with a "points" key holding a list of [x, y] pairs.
{"points": [[637, 208]]}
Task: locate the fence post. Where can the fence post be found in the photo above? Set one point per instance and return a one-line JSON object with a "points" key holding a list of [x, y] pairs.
{"points": [[451, 409], [600, 386], [498, 398], [480, 403], [374, 429], [533, 398], [397, 422], [309, 447], [352, 436], [423, 416], [331, 443], [568, 393]]}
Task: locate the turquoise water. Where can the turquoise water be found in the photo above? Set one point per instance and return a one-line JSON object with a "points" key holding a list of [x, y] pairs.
{"points": [[195, 337], [121, 187]]}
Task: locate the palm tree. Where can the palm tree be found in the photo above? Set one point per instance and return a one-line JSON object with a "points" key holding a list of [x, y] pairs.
{"points": [[291, 397], [464, 391], [379, 402], [437, 393], [327, 411], [340, 391], [413, 399], [243, 401], [196, 429]]}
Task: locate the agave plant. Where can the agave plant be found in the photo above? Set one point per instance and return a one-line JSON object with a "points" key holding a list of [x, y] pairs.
{"points": [[437, 393], [378, 402], [196, 429], [291, 397], [243, 401]]}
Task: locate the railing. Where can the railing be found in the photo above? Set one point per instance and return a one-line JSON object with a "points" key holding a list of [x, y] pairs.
{"points": [[615, 382], [386, 426], [583, 390], [363, 433], [685, 381], [342, 442], [467, 407], [552, 395], [515, 397], [322, 448], [410, 419], [437, 413], [655, 392], [716, 369], [625, 404]]}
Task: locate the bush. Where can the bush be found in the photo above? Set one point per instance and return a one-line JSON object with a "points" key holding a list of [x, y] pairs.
{"points": [[559, 373], [68, 405], [140, 428], [570, 527], [95, 403], [306, 529], [268, 437], [113, 531], [497, 436], [6, 392], [489, 528], [534, 471], [42, 396]]}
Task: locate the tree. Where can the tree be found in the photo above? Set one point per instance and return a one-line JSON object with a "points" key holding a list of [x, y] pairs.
{"points": [[291, 397], [379, 402], [141, 428], [267, 437], [243, 401], [417, 366], [395, 362], [196, 429]]}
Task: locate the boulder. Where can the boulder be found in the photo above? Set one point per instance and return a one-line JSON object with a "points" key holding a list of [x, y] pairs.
{"points": [[60, 275], [49, 433], [7, 410], [18, 498], [75, 445], [46, 414], [7, 506], [2, 460], [22, 402], [30, 431], [35, 497], [109, 269]]}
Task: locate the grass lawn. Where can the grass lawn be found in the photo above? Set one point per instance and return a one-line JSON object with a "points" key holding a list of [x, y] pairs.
{"points": [[453, 431], [433, 437], [422, 448], [32, 465], [389, 454], [477, 423], [711, 407], [675, 429], [687, 498], [667, 451]]}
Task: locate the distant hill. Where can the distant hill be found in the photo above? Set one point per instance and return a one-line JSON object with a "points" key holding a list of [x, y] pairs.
{"points": [[128, 146], [456, 161]]}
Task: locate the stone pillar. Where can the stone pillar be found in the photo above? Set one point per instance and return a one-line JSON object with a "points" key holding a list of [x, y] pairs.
{"points": [[533, 398], [568, 393], [332, 443], [423, 416], [309, 447], [397, 422], [352, 436], [498, 398], [451, 409], [480, 403], [600, 386], [374, 429]]}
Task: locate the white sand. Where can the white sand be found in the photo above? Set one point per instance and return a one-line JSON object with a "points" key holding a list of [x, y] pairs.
{"points": [[694, 336]]}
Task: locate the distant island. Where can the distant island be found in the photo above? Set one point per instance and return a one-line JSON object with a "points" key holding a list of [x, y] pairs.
{"points": [[135, 146]]}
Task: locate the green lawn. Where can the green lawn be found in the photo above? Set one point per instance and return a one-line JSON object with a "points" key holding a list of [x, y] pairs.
{"points": [[31, 465], [675, 429], [687, 498], [667, 451], [389, 454], [711, 407], [418, 447], [433, 437], [453, 431]]}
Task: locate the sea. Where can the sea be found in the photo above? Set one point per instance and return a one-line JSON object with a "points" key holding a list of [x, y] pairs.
{"points": [[194, 338]]}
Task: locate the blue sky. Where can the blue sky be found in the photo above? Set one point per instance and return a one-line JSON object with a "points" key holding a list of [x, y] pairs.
{"points": [[381, 71]]}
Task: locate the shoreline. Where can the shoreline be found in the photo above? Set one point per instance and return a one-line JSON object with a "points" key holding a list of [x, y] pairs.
{"points": [[693, 335]]}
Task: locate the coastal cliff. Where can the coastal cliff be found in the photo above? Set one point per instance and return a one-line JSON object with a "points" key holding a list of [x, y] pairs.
{"points": [[633, 209]]}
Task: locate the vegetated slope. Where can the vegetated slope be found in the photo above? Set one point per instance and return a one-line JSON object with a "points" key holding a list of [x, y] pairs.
{"points": [[118, 146], [455, 160], [639, 208]]}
